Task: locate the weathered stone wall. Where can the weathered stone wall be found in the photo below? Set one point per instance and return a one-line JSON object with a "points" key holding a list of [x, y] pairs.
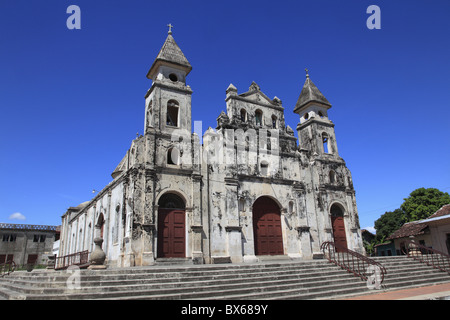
{"points": [[219, 182]]}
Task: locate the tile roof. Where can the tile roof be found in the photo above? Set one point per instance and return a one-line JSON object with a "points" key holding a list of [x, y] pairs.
{"points": [[413, 228], [171, 53], [445, 210], [310, 93]]}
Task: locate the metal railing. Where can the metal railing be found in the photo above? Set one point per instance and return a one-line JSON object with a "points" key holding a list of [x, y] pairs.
{"points": [[361, 266], [78, 259], [7, 267], [434, 258]]}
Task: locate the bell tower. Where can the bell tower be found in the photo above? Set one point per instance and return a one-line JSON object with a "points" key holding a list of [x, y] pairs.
{"points": [[168, 101], [315, 130]]}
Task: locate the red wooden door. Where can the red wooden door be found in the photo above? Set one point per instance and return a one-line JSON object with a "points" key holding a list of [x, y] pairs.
{"points": [[171, 233], [267, 227], [339, 231]]}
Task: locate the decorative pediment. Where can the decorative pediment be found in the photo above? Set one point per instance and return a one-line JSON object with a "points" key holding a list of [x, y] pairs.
{"points": [[255, 94]]}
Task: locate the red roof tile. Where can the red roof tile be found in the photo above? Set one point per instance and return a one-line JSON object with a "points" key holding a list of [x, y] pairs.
{"points": [[445, 210], [409, 229]]}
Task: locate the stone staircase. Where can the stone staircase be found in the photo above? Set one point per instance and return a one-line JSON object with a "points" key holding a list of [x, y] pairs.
{"points": [[284, 279]]}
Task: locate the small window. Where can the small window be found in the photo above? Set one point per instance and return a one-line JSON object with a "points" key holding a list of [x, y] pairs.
{"points": [[173, 77], [172, 113], [150, 114], [9, 238], [6, 258], [264, 168], [291, 207], [332, 176], [258, 117], [306, 116], [321, 114], [36, 238], [173, 156], [241, 204], [243, 115], [325, 142], [274, 122]]}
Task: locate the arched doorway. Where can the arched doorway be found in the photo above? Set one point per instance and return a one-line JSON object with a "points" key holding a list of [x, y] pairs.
{"points": [[337, 222], [267, 231], [171, 227]]}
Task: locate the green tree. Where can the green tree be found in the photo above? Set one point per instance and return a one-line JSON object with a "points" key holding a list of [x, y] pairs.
{"points": [[389, 222], [422, 203]]}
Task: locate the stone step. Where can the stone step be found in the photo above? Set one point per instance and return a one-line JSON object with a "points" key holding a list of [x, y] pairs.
{"points": [[217, 277], [173, 261], [170, 274], [245, 279], [194, 290], [314, 279]]}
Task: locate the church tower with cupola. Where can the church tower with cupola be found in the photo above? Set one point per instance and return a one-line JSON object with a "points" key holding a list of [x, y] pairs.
{"points": [[168, 101], [315, 130], [331, 182]]}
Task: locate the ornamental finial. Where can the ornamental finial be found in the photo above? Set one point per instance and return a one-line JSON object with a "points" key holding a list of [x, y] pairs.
{"points": [[170, 28]]}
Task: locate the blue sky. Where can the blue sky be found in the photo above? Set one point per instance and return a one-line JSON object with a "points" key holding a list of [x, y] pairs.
{"points": [[71, 101]]}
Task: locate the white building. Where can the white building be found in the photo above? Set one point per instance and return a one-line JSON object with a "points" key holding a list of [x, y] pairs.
{"points": [[250, 190]]}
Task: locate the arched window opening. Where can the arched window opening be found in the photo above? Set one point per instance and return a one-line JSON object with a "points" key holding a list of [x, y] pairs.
{"points": [[173, 156], [325, 142], [258, 117], [332, 176], [291, 207], [264, 168], [336, 211], [241, 204], [171, 201], [173, 77], [172, 113], [150, 114], [274, 122], [243, 115]]}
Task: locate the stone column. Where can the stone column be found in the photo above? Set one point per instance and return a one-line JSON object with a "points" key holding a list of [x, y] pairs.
{"points": [[197, 252], [233, 229], [305, 242], [148, 216], [195, 218]]}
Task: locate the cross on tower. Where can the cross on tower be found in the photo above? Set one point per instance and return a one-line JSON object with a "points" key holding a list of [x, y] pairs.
{"points": [[306, 70], [170, 28]]}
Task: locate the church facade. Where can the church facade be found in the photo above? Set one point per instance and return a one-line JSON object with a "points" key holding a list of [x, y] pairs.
{"points": [[247, 191]]}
